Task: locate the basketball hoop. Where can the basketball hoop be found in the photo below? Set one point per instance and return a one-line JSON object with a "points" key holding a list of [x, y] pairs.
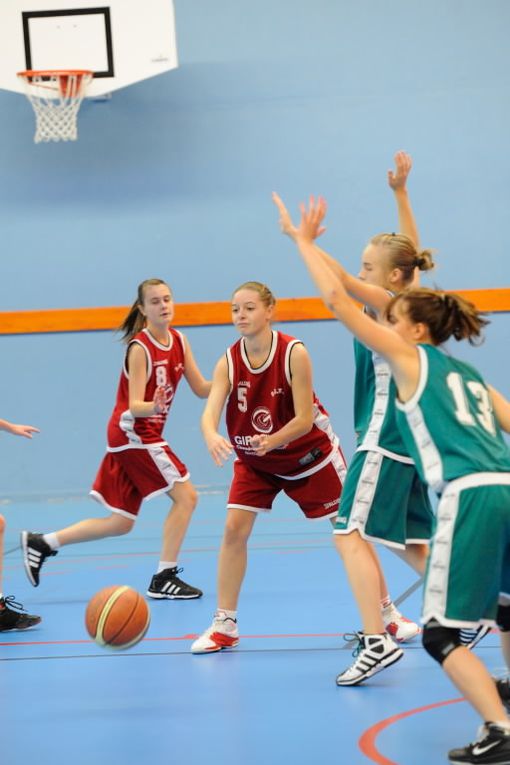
{"points": [[56, 98]]}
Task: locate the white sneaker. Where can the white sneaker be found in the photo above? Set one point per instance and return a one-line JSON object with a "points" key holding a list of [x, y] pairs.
{"points": [[222, 633], [400, 628], [372, 654]]}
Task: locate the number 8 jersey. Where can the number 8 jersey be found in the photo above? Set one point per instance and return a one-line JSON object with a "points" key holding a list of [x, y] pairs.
{"points": [[260, 401], [448, 424], [165, 367]]}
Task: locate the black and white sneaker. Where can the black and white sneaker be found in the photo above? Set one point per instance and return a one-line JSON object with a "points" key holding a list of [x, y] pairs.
{"points": [[372, 654], [167, 584], [492, 747], [471, 637], [503, 688], [14, 617], [35, 551]]}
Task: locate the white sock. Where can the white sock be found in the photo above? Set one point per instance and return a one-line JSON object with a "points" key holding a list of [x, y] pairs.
{"points": [[1, 595], [386, 602], [51, 540], [223, 613], [163, 564], [505, 724]]}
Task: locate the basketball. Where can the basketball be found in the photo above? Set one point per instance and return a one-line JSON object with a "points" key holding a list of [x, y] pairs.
{"points": [[117, 617]]}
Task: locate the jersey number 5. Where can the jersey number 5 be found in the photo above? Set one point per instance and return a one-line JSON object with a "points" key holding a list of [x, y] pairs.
{"points": [[242, 403]]}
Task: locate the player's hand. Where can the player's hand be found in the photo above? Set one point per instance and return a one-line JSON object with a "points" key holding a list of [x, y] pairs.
{"points": [[219, 448], [260, 444], [159, 400], [397, 179], [285, 221], [22, 430], [310, 225]]}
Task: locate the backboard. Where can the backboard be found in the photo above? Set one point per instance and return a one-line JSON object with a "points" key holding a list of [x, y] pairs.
{"points": [[121, 41]]}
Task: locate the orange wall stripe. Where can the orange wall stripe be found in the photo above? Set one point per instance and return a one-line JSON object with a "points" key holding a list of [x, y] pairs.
{"points": [[197, 314]]}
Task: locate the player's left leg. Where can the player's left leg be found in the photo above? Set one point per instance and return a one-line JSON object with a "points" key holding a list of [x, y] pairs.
{"points": [[165, 583]]}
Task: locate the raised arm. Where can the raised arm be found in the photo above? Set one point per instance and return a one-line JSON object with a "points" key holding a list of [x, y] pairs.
{"points": [[397, 181], [218, 446], [401, 355], [302, 399], [194, 377], [375, 297]]}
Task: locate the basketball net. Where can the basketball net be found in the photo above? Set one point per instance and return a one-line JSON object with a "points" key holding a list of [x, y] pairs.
{"points": [[56, 98]]}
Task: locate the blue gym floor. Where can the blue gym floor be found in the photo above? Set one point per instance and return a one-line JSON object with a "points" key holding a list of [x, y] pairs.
{"points": [[66, 701]]}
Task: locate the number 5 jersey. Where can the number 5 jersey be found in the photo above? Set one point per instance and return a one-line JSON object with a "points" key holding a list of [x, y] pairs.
{"points": [[260, 402]]}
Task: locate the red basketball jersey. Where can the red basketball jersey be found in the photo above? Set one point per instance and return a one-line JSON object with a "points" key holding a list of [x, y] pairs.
{"points": [[165, 366], [260, 401]]}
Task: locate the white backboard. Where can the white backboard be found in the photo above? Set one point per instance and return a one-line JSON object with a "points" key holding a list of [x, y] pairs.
{"points": [[121, 41]]}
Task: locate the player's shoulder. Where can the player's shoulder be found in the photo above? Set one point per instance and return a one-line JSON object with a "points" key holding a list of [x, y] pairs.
{"points": [[179, 337]]}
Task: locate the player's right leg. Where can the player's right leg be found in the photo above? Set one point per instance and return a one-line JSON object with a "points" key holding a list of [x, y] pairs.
{"points": [[375, 499], [376, 650], [223, 632], [251, 492]]}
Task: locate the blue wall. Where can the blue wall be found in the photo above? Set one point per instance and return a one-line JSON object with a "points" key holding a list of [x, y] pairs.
{"points": [[172, 177]]}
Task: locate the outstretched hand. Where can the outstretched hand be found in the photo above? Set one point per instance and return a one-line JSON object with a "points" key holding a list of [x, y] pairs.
{"points": [[397, 179], [22, 430], [285, 221], [286, 224], [219, 448], [310, 225]]}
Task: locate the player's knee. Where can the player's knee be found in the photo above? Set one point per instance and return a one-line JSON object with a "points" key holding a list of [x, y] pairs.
{"points": [[236, 531], [191, 498], [184, 497], [503, 617], [120, 525], [2, 524], [440, 641]]}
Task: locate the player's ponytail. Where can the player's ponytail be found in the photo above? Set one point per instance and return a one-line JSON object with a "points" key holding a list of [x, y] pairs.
{"points": [[135, 320], [401, 253], [445, 314]]}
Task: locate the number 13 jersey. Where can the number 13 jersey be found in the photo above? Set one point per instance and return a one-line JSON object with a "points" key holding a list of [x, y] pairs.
{"points": [[448, 424]]}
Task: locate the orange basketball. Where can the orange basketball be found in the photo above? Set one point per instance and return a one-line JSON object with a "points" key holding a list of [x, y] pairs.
{"points": [[117, 617]]}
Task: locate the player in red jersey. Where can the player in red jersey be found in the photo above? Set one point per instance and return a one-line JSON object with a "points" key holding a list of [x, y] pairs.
{"points": [[12, 615], [281, 436], [139, 464]]}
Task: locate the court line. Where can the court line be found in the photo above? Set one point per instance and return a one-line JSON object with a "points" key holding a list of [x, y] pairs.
{"points": [[193, 636], [367, 741]]}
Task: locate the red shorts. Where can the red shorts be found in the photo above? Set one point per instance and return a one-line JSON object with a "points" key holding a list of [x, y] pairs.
{"points": [[125, 478], [318, 495]]}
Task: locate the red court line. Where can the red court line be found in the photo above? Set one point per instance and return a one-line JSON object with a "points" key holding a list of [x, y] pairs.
{"points": [[180, 637], [279, 636], [367, 741]]}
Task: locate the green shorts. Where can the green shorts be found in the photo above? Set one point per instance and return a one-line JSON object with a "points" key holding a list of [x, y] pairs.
{"points": [[385, 501], [469, 564]]}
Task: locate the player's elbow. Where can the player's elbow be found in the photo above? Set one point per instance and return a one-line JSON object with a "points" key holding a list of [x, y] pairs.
{"points": [[306, 422], [333, 299]]}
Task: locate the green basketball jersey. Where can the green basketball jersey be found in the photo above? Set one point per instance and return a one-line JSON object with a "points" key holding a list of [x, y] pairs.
{"points": [[374, 406], [448, 425]]}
